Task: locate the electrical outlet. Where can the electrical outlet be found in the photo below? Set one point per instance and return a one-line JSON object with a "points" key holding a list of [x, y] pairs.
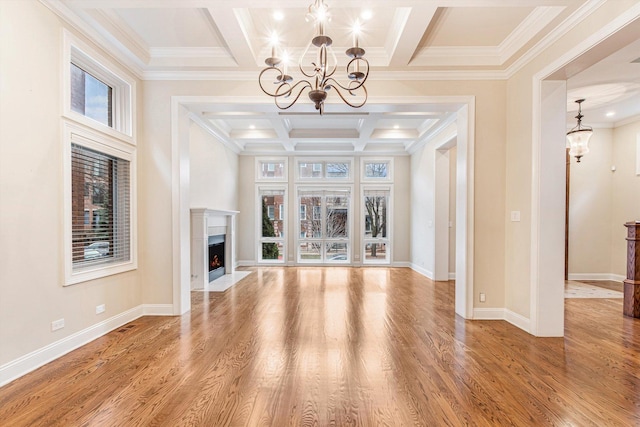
{"points": [[515, 216], [483, 297], [57, 324], [100, 308]]}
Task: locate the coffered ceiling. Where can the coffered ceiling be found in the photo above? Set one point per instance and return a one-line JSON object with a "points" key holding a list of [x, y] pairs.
{"points": [[407, 39]]}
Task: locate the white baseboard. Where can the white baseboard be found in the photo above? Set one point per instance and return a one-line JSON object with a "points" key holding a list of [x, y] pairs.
{"points": [[488, 314], [246, 263], [502, 314], [157, 310], [452, 276], [426, 273], [402, 264], [597, 276], [518, 320], [32, 361]]}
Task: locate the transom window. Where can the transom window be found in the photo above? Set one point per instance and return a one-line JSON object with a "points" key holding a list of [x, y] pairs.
{"points": [[377, 169], [324, 170], [271, 169]]}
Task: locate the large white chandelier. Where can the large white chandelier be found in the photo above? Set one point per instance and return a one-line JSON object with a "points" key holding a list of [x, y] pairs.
{"points": [[317, 76]]}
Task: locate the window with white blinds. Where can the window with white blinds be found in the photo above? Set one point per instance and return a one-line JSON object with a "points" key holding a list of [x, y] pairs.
{"points": [[101, 209]]}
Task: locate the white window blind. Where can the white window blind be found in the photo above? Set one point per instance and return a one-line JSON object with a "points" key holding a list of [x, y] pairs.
{"points": [[101, 209]]}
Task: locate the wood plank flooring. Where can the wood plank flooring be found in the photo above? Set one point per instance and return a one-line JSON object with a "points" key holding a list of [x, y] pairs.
{"points": [[339, 347]]}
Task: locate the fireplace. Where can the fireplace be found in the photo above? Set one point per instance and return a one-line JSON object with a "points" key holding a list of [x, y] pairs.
{"points": [[216, 257], [212, 248]]}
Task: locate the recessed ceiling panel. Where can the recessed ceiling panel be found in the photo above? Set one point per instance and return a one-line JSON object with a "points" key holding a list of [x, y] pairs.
{"points": [[474, 26], [172, 27], [293, 31]]}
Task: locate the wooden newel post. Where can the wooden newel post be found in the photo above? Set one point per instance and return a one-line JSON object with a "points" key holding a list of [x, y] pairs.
{"points": [[632, 284]]}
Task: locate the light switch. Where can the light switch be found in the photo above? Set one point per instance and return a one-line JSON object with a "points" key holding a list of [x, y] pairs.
{"points": [[515, 216]]}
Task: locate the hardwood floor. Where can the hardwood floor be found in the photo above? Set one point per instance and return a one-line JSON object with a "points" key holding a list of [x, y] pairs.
{"points": [[339, 346]]}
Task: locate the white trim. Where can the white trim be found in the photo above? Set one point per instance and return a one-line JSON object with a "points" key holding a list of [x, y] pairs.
{"points": [[246, 263], [382, 186], [76, 134], [452, 276], [507, 315], [105, 40], [597, 276], [517, 320], [259, 160], [123, 88], [31, 361], [537, 227], [398, 264], [489, 314], [259, 240], [157, 309], [349, 160], [364, 160], [421, 270], [554, 35], [423, 75]]}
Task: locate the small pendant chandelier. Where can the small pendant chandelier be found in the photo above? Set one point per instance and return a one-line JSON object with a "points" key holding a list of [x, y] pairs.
{"points": [[319, 73], [578, 137]]}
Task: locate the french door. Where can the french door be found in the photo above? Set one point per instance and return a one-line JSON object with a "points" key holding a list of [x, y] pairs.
{"points": [[324, 220]]}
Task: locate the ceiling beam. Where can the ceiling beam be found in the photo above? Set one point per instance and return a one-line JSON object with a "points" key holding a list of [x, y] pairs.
{"points": [[282, 128], [408, 28], [233, 26]]}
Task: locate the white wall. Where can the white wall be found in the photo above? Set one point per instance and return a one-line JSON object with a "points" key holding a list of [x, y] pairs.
{"points": [[453, 152], [31, 196], [213, 172]]}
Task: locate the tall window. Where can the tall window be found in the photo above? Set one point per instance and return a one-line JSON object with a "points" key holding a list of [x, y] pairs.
{"points": [[376, 218], [99, 165], [272, 229], [324, 227], [106, 239]]}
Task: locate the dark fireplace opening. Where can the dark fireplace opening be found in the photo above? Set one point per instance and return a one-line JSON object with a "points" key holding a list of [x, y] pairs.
{"points": [[216, 257]]}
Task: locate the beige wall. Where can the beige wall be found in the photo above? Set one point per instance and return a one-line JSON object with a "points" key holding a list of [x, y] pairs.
{"points": [[489, 187], [626, 192], [519, 150], [31, 194], [601, 201], [590, 207]]}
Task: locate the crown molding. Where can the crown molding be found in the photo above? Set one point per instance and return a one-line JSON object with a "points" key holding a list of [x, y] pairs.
{"points": [[539, 18], [627, 121], [108, 43], [379, 75], [554, 35]]}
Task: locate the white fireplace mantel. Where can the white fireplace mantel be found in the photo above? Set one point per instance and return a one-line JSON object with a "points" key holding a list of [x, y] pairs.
{"points": [[205, 223]]}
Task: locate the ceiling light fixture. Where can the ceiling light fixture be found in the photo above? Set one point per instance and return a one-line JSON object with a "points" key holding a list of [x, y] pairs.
{"points": [[318, 76], [579, 136]]}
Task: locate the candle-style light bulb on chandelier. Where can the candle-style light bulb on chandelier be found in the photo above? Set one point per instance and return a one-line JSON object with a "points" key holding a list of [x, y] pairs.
{"points": [[318, 74], [578, 137]]}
